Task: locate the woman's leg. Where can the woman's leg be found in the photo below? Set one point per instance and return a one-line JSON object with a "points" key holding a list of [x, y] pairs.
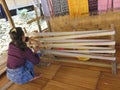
{"points": [[30, 67]]}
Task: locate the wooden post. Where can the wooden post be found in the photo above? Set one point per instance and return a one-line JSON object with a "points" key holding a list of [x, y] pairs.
{"points": [[49, 26], [5, 7], [39, 27], [114, 65]]}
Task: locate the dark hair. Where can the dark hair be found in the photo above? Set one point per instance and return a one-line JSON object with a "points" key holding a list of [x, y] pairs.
{"points": [[16, 36]]}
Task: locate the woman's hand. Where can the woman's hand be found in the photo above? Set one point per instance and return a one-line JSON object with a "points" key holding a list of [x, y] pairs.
{"points": [[36, 49]]}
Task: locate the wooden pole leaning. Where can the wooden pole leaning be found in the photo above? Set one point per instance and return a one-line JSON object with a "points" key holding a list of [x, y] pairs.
{"points": [[5, 7]]}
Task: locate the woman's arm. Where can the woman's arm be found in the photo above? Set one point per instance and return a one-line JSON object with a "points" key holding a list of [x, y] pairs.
{"points": [[33, 57]]}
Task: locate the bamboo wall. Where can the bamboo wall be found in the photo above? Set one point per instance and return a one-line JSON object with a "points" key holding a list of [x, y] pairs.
{"points": [[102, 21]]}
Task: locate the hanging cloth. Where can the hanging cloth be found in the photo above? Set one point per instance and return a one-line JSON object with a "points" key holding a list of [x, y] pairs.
{"points": [[2, 13], [56, 7], [78, 8], [47, 8], [93, 6], [116, 4], [104, 5], [64, 7], [60, 7]]}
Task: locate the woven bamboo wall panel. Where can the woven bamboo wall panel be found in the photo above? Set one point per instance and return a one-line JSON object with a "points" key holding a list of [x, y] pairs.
{"points": [[103, 21]]}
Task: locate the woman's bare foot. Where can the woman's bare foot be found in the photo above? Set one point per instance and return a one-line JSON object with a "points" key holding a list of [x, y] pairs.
{"points": [[36, 76]]}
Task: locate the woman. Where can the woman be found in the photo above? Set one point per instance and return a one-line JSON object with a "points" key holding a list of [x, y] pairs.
{"points": [[21, 59]]}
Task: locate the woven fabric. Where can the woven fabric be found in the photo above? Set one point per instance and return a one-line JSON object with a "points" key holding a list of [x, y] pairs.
{"points": [[93, 6], [47, 8], [60, 7], [104, 5], [78, 8], [116, 4]]}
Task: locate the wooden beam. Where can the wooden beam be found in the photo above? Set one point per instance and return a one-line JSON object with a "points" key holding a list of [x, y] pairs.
{"points": [[38, 22], [78, 55], [77, 62], [90, 51], [72, 40], [34, 19], [75, 47], [79, 44], [33, 34], [7, 85], [108, 33], [5, 7]]}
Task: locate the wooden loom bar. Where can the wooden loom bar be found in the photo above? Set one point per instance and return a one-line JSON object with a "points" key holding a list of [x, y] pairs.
{"points": [[65, 33], [79, 44], [68, 41], [77, 47], [114, 66], [4, 5], [73, 40], [90, 51], [79, 62], [81, 36], [77, 55]]}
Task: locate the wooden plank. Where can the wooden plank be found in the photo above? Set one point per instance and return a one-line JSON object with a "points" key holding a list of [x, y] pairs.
{"points": [[3, 70], [7, 85], [3, 62], [49, 71], [108, 33], [64, 33], [37, 84], [78, 55], [109, 82], [55, 85], [78, 77]]}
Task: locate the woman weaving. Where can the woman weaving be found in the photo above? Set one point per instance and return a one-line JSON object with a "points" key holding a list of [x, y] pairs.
{"points": [[21, 59]]}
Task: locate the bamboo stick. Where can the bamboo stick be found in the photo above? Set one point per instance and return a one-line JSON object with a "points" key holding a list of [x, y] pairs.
{"points": [[64, 33], [79, 62], [81, 36], [74, 40], [90, 51], [78, 55], [80, 44], [78, 47]]}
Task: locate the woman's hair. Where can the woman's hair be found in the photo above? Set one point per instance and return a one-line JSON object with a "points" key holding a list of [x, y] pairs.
{"points": [[16, 35]]}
